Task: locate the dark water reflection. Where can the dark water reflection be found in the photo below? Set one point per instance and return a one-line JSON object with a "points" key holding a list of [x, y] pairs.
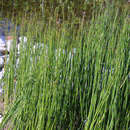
{"points": [[60, 10]]}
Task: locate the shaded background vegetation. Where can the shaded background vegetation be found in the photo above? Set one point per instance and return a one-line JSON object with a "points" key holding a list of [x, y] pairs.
{"points": [[64, 9]]}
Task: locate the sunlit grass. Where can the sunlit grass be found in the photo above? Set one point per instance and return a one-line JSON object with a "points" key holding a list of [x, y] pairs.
{"points": [[85, 90]]}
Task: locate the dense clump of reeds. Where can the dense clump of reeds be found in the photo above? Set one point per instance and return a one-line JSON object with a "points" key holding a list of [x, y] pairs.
{"points": [[62, 90]]}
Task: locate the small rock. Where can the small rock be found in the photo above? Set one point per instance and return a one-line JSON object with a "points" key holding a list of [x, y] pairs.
{"points": [[23, 39], [1, 62], [1, 118], [9, 44], [2, 73], [3, 49], [1, 41]]}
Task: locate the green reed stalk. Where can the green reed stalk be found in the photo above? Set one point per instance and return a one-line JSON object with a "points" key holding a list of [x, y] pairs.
{"points": [[54, 91]]}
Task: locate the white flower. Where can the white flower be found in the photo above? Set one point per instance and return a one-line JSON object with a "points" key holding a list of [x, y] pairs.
{"points": [[9, 44], [1, 41]]}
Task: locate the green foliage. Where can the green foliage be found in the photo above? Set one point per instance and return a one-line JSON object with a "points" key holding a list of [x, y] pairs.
{"points": [[88, 91]]}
